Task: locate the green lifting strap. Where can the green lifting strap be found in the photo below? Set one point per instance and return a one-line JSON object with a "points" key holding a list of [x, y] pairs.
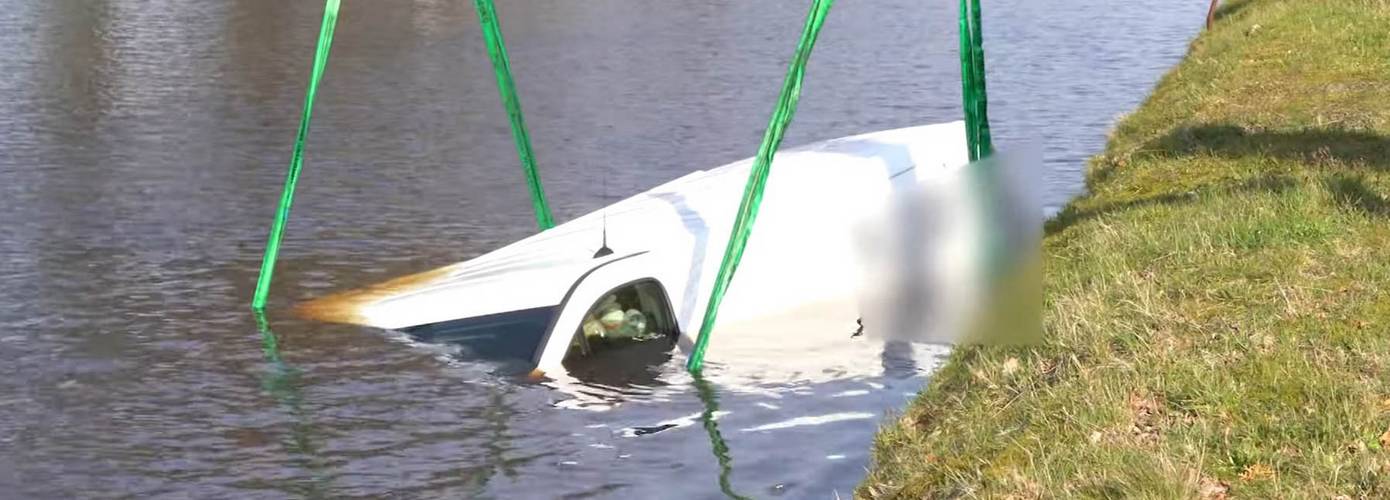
{"points": [[497, 51], [270, 344], [757, 177], [984, 179], [277, 229], [972, 77]]}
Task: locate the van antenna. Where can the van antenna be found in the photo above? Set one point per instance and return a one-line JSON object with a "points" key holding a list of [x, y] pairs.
{"points": [[603, 250]]}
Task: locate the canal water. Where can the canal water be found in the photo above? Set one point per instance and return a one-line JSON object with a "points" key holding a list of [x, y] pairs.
{"points": [[142, 148]]}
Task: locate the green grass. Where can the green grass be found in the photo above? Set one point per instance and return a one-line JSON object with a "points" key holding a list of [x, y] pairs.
{"points": [[1217, 309]]}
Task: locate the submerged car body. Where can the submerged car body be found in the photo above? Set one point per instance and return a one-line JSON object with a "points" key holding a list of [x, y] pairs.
{"points": [[802, 277]]}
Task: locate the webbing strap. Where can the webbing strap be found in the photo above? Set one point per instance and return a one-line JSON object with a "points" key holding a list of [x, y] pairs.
{"points": [[972, 78], [277, 229], [985, 181], [757, 177], [497, 51]]}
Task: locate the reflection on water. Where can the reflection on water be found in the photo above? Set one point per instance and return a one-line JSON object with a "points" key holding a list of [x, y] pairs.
{"points": [[281, 381], [716, 440], [142, 146]]}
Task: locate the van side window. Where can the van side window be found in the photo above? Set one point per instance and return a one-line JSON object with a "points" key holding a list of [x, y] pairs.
{"points": [[634, 313]]}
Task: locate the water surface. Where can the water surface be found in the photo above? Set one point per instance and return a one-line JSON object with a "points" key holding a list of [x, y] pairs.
{"points": [[142, 147]]}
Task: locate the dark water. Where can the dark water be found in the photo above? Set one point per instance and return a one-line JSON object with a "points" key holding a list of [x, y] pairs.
{"points": [[142, 145]]}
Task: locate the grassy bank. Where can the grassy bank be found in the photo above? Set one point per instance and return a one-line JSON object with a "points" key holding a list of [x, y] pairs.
{"points": [[1217, 309]]}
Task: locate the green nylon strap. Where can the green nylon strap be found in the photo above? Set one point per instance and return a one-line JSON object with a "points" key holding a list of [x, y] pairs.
{"points": [[270, 346], [497, 51], [757, 177], [277, 229], [984, 180], [967, 75], [977, 51], [972, 71]]}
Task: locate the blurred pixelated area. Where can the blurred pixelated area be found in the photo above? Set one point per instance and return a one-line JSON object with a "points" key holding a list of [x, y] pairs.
{"points": [[957, 258]]}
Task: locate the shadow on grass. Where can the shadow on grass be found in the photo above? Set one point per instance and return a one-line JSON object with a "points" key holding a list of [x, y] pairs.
{"points": [[1230, 9], [1352, 192], [1320, 146], [1269, 183], [1349, 148]]}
